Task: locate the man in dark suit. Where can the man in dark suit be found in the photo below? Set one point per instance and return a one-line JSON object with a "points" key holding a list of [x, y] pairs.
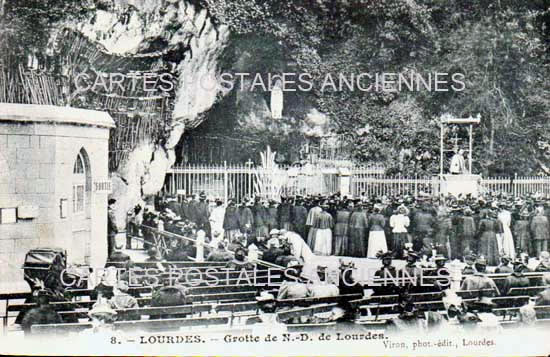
{"points": [[299, 218], [112, 229], [43, 314], [202, 218], [174, 206]]}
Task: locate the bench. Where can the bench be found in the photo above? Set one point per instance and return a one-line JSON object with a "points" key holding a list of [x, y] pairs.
{"points": [[71, 305], [221, 289], [292, 313], [181, 264], [237, 307], [144, 325], [510, 301], [531, 290], [467, 294], [541, 310], [306, 311], [531, 275], [317, 300], [125, 314], [388, 299]]}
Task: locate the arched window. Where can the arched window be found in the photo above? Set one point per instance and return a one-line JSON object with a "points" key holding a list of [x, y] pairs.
{"points": [[79, 184]]}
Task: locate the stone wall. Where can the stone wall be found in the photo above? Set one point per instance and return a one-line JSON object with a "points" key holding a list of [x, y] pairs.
{"points": [[37, 156]]}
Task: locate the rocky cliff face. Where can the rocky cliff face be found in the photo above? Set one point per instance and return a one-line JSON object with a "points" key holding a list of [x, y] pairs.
{"points": [[129, 27]]}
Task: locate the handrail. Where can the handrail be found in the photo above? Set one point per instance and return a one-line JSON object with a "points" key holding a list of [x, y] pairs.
{"points": [[175, 235]]}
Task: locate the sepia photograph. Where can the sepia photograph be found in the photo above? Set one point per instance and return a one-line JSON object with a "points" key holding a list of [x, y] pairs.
{"points": [[267, 177]]}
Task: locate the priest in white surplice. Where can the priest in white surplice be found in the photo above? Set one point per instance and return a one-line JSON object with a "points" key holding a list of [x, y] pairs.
{"points": [[458, 165]]}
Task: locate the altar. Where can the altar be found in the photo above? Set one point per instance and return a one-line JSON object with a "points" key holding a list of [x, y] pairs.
{"points": [[459, 181], [456, 185]]}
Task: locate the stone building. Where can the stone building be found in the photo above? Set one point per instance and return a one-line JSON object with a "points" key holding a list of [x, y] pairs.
{"points": [[54, 184]]}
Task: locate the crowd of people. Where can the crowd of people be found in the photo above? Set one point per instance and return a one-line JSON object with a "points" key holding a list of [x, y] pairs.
{"points": [[499, 232], [496, 226]]}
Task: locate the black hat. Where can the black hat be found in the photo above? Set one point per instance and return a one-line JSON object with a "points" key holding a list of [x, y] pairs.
{"points": [[439, 257], [240, 249], [481, 261], [321, 268], [384, 255], [111, 201], [43, 293]]}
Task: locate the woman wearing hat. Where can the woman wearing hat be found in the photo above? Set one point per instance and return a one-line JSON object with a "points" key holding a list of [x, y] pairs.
{"points": [[261, 219], [480, 281], [311, 220], [399, 223], [358, 225], [123, 300], [322, 232], [246, 218], [517, 279], [103, 317], [284, 214], [231, 221], [466, 230], [272, 215], [341, 237], [505, 217], [217, 216], [377, 238], [488, 245]]}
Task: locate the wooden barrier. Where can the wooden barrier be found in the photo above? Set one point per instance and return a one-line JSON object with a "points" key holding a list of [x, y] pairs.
{"points": [[182, 264], [74, 305], [531, 291], [388, 299], [317, 300], [306, 311], [467, 294], [237, 307], [143, 325], [510, 301], [541, 310], [221, 289], [125, 314]]}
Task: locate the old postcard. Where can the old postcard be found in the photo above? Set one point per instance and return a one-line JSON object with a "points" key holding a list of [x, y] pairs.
{"points": [[250, 177]]}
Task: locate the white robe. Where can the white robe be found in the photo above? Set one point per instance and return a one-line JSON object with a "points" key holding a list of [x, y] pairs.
{"points": [[458, 165], [323, 241], [507, 245], [216, 219], [299, 248]]}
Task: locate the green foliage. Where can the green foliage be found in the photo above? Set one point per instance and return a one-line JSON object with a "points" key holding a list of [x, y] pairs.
{"points": [[501, 48]]}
